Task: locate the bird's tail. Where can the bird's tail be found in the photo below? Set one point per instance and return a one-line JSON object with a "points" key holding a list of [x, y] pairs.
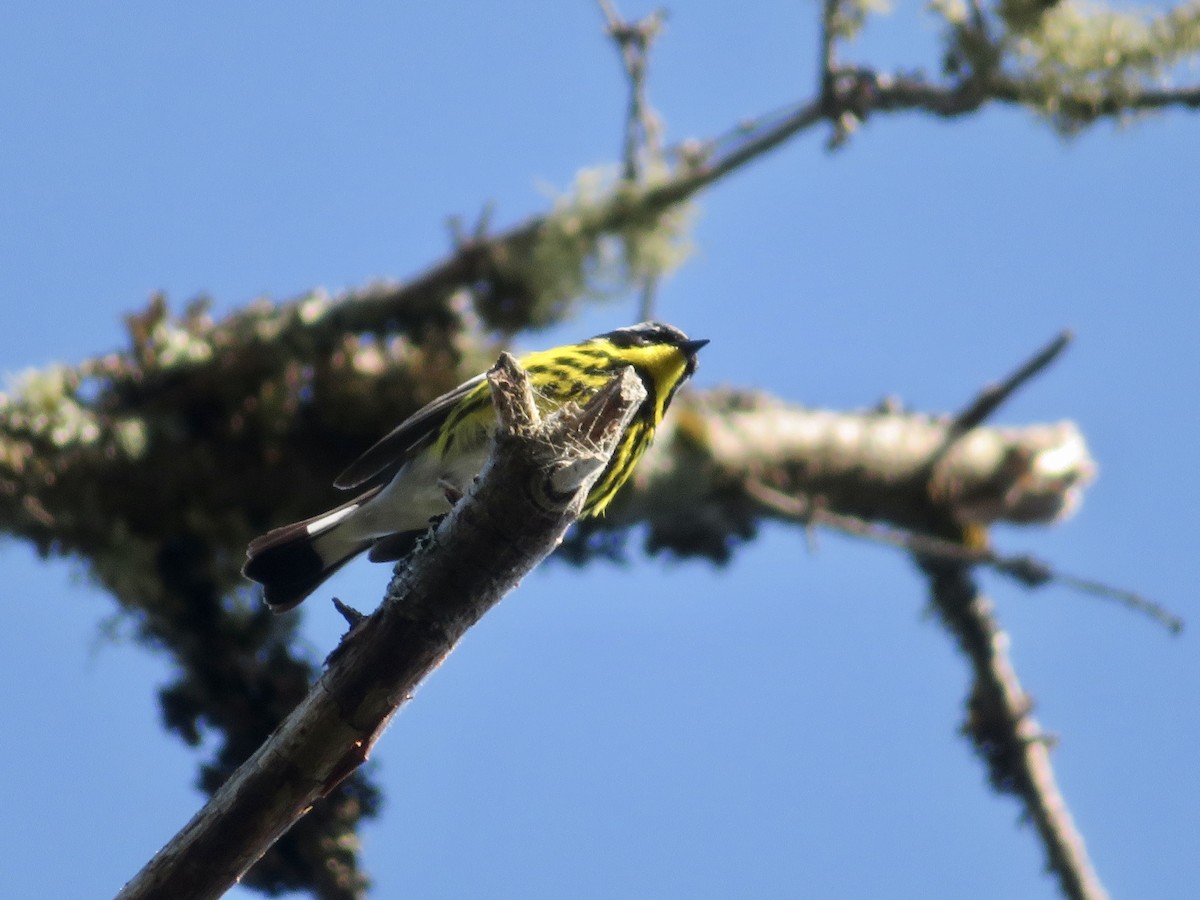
{"points": [[292, 561]]}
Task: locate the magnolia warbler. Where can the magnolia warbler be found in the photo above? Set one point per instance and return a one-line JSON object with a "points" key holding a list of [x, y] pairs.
{"points": [[446, 443]]}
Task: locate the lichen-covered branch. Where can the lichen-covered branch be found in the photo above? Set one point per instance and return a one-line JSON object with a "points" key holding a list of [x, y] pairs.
{"points": [[883, 464], [1072, 61]]}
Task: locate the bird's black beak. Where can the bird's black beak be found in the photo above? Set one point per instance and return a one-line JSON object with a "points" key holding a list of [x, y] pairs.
{"points": [[689, 350]]}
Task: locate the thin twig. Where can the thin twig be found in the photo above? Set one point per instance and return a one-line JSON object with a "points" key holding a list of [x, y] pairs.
{"points": [[635, 73], [641, 131], [1028, 570], [826, 57], [633, 41], [1126, 598], [994, 395], [745, 143], [1005, 734]]}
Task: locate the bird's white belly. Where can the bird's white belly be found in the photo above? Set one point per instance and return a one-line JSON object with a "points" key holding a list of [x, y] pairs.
{"points": [[414, 496]]}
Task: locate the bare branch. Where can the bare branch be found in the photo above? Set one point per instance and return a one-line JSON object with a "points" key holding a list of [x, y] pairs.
{"points": [[900, 93], [643, 131], [1001, 726], [1156, 611], [993, 396], [1028, 570], [633, 40], [826, 55], [530, 491]]}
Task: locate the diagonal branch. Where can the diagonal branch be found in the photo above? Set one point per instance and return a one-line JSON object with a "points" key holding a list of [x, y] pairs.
{"points": [[633, 40], [1001, 726], [643, 130], [827, 52], [1027, 570], [530, 491], [994, 396]]}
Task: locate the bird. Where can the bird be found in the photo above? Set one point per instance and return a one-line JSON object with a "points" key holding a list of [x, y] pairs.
{"points": [[405, 476]]}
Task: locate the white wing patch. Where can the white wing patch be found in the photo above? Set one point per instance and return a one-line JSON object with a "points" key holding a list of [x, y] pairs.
{"points": [[324, 523]]}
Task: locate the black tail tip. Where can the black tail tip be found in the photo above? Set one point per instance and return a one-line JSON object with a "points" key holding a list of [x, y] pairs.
{"points": [[288, 567], [280, 598]]}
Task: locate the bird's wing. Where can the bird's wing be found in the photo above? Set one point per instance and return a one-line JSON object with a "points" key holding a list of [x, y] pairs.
{"points": [[402, 442]]}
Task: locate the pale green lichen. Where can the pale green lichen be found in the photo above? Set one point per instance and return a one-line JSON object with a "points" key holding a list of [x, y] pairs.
{"points": [[1086, 39], [313, 307], [1083, 58], [605, 237], [954, 12], [174, 345], [369, 358], [849, 16], [42, 403], [130, 436], [1075, 60]]}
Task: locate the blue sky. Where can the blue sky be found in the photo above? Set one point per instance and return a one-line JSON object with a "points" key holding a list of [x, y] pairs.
{"points": [[786, 726]]}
